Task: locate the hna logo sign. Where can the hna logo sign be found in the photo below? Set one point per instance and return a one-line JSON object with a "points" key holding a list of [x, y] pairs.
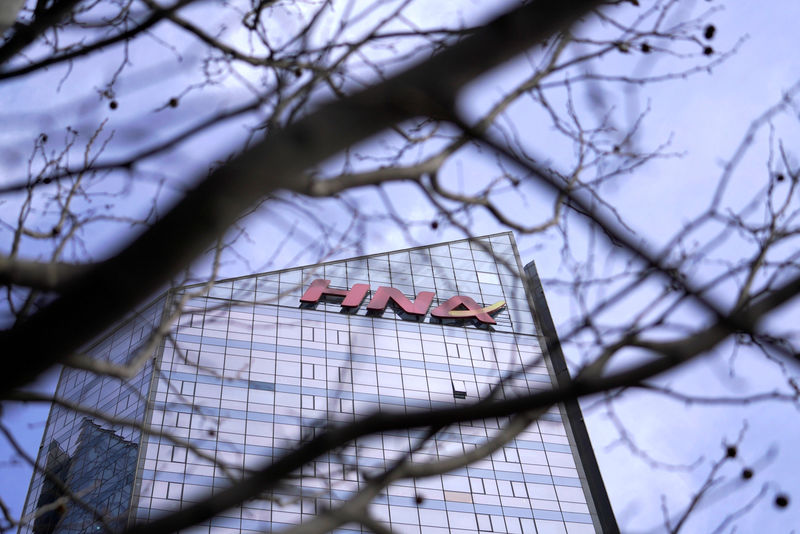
{"points": [[455, 308]]}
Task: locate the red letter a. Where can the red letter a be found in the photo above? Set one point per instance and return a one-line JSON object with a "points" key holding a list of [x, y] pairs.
{"points": [[450, 310]]}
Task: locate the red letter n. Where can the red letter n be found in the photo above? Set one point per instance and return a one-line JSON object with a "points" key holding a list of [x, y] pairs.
{"points": [[382, 296], [353, 297]]}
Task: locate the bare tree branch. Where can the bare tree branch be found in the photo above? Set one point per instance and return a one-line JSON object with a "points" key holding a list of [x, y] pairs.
{"points": [[25, 35], [39, 275], [671, 354], [118, 284]]}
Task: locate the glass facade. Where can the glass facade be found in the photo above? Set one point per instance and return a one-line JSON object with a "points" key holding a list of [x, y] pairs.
{"points": [[89, 463], [247, 373]]}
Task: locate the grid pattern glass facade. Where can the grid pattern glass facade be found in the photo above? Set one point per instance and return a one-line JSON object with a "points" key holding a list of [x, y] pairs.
{"points": [[92, 457], [247, 374]]}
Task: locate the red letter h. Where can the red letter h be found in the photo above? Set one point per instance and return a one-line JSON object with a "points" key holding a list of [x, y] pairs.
{"points": [[353, 297]]}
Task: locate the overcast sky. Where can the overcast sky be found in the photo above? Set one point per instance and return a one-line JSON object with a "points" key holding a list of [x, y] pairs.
{"points": [[706, 117]]}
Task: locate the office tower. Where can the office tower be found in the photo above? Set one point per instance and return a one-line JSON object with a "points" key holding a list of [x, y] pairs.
{"points": [[255, 365]]}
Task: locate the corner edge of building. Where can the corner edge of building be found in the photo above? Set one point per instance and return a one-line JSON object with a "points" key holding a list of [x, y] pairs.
{"points": [[603, 512]]}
